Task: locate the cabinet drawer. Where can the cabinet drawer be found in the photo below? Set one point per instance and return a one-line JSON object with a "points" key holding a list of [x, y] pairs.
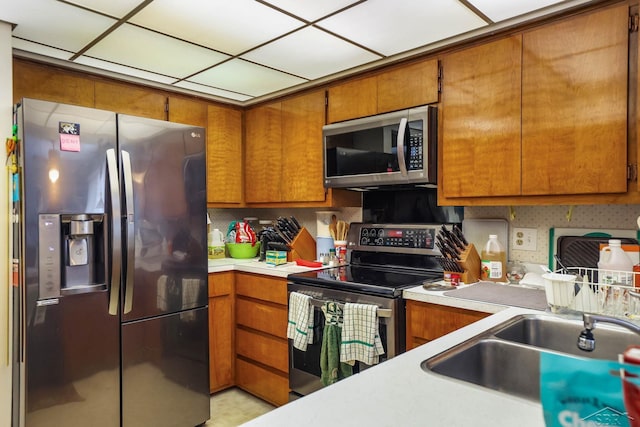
{"points": [[267, 385], [426, 322], [271, 319], [221, 284], [262, 287], [265, 349]]}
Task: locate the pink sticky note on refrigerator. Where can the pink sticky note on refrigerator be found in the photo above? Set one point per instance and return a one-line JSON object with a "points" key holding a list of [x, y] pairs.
{"points": [[69, 142]]}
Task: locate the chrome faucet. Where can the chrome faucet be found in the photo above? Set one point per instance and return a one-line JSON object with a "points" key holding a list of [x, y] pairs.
{"points": [[586, 340]]}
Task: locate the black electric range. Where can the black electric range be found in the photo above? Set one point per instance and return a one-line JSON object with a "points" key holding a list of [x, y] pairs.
{"points": [[384, 259]]}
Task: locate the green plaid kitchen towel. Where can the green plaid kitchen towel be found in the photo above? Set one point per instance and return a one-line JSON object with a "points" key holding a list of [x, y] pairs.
{"points": [[300, 325], [360, 338], [331, 369]]}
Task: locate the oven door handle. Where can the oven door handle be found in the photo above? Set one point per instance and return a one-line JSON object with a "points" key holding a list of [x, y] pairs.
{"points": [[382, 312]]}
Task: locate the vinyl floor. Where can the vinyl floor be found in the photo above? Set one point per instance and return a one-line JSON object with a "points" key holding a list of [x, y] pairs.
{"points": [[233, 407]]}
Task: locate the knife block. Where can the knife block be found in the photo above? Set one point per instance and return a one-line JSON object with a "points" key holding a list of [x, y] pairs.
{"points": [[303, 247], [470, 263]]}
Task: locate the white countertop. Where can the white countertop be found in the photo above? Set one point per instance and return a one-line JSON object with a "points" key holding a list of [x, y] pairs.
{"points": [[437, 297], [399, 393], [252, 265]]}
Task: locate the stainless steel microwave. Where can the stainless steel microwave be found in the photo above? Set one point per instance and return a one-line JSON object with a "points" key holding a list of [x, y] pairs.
{"points": [[391, 148]]}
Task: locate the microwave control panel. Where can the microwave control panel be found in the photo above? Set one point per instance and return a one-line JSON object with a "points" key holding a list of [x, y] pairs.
{"points": [[416, 155], [422, 238]]}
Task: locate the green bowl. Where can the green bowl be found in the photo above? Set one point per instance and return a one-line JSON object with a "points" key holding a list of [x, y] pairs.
{"points": [[243, 250]]}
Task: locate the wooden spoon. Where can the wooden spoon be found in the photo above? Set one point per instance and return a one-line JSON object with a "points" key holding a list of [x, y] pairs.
{"points": [[333, 227]]}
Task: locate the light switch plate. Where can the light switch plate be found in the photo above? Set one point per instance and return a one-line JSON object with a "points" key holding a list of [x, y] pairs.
{"points": [[524, 239]]}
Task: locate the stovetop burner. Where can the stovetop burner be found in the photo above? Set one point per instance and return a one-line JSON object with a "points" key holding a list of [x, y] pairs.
{"points": [[383, 259], [370, 280]]}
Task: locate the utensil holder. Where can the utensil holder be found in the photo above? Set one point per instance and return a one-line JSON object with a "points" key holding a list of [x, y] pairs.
{"points": [[303, 246], [470, 264]]}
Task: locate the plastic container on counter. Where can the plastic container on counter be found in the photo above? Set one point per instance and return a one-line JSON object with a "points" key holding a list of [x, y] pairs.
{"points": [[493, 261]]}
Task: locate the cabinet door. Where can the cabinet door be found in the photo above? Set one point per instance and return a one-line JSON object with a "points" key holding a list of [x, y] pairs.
{"points": [[481, 120], [263, 155], [224, 155], [130, 99], [187, 111], [51, 84], [353, 99], [408, 86], [427, 322], [574, 105], [302, 159], [221, 327]]}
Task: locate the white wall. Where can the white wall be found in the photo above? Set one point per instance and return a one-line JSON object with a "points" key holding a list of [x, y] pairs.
{"points": [[6, 85]]}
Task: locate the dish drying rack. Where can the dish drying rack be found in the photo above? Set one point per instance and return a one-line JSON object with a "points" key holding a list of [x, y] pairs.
{"points": [[595, 291]]}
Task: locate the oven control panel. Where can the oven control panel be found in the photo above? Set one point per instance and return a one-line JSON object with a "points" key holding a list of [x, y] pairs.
{"points": [[398, 237]]}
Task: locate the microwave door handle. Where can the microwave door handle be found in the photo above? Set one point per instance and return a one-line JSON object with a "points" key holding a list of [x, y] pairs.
{"points": [[130, 228], [116, 236], [400, 146]]}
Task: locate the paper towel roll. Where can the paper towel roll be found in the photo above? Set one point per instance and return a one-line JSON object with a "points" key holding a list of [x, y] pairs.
{"points": [[323, 219]]}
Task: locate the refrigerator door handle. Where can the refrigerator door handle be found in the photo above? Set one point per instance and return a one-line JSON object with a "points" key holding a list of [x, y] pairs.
{"points": [[130, 219], [116, 231]]}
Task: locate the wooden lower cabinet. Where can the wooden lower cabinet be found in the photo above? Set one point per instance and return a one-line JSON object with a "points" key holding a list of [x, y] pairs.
{"points": [[221, 321], [262, 358], [426, 322], [262, 382]]}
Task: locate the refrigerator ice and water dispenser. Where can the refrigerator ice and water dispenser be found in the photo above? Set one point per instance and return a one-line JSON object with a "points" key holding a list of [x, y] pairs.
{"points": [[71, 255]]}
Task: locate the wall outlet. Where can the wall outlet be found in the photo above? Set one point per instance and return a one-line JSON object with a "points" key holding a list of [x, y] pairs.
{"points": [[524, 239]]}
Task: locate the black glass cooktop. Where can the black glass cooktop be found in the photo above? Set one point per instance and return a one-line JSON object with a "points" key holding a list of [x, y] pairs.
{"points": [[365, 279]]}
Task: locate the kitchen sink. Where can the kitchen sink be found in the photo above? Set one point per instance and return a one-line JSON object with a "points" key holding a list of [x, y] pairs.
{"points": [[506, 357], [499, 365], [561, 335]]}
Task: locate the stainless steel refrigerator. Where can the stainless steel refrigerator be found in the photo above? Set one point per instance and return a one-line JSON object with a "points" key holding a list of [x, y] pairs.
{"points": [[110, 262]]}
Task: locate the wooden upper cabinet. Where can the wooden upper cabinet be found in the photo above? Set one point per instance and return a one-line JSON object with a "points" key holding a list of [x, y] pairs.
{"points": [[353, 99], [408, 86], [302, 160], [402, 87], [263, 154], [187, 111], [48, 83], [130, 99], [480, 113], [574, 105], [283, 158], [224, 155]]}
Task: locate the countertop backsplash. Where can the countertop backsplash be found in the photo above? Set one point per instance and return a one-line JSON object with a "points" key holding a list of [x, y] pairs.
{"points": [[542, 218], [307, 217]]}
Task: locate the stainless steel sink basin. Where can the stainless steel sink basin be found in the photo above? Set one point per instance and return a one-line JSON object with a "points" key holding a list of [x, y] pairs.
{"points": [[499, 365], [560, 334], [506, 358]]}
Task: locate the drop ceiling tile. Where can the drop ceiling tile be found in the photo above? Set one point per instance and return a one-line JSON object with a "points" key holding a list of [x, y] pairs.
{"points": [[311, 10], [244, 77], [116, 8], [499, 10], [139, 48], [311, 53], [212, 91], [393, 27], [40, 49], [228, 26], [124, 70], [54, 23]]}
